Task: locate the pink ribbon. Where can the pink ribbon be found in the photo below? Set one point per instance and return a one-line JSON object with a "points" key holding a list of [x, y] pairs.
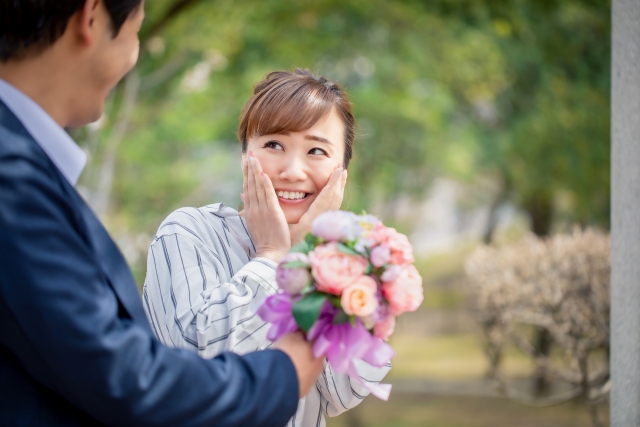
{"points": [[340, 343], [276, 309]]}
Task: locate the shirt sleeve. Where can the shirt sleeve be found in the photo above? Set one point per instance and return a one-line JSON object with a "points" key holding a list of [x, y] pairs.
{"points": [[339, 392], [189, 305]]}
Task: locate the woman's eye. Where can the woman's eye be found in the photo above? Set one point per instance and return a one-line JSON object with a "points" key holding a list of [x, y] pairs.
{"points": [[274, 145], [318, 152]]}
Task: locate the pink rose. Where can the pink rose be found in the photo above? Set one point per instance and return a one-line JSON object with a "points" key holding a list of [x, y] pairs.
{"points": [[405, 292], [380, 255], [383, 330], [398, 243], [391, 273], [379, 233], [359, 298], [334, 270], [401, 249], [292, 280]]}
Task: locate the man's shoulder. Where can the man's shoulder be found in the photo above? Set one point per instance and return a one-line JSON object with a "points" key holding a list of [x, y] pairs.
{"points": [[17, 144]]}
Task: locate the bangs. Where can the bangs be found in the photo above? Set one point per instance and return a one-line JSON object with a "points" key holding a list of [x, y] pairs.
{"points": [[283, 108]]}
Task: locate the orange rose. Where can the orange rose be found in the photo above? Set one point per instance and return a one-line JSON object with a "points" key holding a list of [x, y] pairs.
{"points": [[359, 298]]}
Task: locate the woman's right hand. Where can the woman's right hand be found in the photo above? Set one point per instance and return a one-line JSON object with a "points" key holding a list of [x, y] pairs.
{"points": [[265, 220], [329, 199]]}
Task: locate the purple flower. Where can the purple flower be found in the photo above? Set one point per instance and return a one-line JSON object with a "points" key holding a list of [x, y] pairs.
{"points": [[382, 312], [293, 279], [336, 226], [380, 255]]}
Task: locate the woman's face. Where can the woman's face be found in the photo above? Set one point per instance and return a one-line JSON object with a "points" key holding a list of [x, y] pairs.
{"points": [[299, 164]]}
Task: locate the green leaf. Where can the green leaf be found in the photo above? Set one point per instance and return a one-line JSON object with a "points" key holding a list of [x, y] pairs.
{"points": [[295, 264], [352, 320], [347, 250], [302, 247], [369, 269], [335, 300], [341, 317], [311, 240], [307, 310]]}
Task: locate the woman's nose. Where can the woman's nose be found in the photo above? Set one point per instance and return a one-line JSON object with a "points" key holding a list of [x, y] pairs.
{"points": [[294, 171]]}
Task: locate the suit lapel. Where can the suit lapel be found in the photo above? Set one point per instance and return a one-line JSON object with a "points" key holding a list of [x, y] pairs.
{"points": [[112, 262]]}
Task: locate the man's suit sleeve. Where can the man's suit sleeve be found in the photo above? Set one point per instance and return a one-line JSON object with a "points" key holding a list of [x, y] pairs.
{"points": [[65, 324]]}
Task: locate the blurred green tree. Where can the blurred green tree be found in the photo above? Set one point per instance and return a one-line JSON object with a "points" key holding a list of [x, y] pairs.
{"points": [[517, 90]]}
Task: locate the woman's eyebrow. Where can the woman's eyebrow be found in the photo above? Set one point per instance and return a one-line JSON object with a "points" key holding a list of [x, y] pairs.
{"points": [[318, 138]]}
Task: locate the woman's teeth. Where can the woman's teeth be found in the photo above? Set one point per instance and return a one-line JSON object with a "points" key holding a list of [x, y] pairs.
{"points": [[291, 195]]}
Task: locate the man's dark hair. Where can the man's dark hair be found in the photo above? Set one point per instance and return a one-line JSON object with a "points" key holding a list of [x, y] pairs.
{"points": [[30, 26]]}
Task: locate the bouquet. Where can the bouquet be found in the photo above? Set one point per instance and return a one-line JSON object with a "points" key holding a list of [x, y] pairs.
{"points": [[343, 286]]}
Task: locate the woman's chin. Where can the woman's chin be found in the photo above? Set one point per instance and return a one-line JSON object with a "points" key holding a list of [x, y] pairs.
{"points": [[293, 215]]}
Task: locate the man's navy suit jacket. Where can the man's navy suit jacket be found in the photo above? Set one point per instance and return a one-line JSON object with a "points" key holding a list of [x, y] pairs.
{"points": [[75, 345]]}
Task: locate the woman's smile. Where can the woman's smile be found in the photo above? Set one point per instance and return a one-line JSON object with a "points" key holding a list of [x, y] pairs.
{"points": [[291, 198]]}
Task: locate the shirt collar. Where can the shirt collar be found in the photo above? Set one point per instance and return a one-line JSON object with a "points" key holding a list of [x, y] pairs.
{"points": [[61, 149]]}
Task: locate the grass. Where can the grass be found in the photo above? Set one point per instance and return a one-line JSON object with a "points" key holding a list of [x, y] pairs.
{"points": [[440, 267], [449, 357], [445, 411]]}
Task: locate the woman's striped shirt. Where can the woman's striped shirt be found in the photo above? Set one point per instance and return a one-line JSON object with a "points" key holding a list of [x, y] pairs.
{"points": [[203, 288]]}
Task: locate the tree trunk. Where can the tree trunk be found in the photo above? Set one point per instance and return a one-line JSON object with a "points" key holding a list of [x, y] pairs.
{"points": [[540, 208], [492, 221], [542, 342]]}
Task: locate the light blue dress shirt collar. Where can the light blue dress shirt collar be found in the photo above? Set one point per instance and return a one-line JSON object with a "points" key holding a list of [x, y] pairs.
{"points": [[61, 149]]}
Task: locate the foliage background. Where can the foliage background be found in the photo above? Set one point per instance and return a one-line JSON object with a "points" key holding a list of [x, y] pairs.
{"points": [[510, 92]]}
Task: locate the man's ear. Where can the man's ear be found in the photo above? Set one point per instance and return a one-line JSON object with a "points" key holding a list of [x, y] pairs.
{"points": [[87, 16]]}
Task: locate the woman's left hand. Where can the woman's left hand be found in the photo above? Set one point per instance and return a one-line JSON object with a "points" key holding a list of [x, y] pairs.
{"points": [[329, 199]]}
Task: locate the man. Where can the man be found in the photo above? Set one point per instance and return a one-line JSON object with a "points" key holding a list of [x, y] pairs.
{"points": [[75, 345]]}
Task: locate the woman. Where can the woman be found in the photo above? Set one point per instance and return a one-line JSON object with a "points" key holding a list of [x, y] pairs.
{"points": [[209, 269]]}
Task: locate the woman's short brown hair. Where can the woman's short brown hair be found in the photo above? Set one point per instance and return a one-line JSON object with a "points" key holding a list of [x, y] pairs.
{"points": [[288, 101]]}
